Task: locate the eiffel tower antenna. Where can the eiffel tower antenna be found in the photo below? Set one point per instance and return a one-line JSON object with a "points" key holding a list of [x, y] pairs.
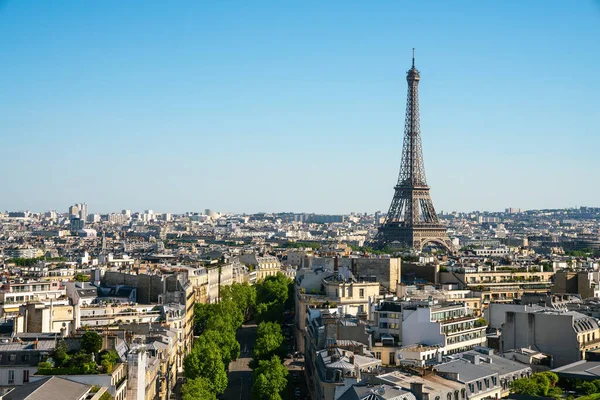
{"points": [[411, 220]]}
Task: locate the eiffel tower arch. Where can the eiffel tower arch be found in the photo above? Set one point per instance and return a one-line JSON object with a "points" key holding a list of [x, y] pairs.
{"points": [[411, 220]]}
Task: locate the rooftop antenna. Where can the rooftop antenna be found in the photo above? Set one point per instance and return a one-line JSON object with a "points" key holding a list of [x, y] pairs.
{"points": [[413, 57]]}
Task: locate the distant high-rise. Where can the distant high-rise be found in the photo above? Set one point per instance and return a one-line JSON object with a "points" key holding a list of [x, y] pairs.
{"points": [[74, 211], [411, 220], [83, 211]]}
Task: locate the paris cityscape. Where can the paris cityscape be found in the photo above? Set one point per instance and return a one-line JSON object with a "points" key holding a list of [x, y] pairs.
{"points": [[445, 283]]}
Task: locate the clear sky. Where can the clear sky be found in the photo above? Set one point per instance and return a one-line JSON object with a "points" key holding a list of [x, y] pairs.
{"points": [[250, 106]]}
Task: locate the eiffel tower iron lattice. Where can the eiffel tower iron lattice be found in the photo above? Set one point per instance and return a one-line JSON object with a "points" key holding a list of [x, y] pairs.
{"points": [[411, 220]]}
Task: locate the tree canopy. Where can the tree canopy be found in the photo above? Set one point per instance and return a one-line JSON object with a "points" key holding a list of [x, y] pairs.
{"points": [[198, 389], [268, 340], [243, 295], [270, 379], [91, 342], [206, 361], [539, 384]]}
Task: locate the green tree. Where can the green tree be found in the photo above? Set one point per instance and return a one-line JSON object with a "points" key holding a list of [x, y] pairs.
{"points": [[82, 278], [222, 316], [205, 360], [269, 380], [268, 340], [272, 289], [588, 387], [83, 362], [269, 312], [197, 389], [243, 295], [59, 355], [91, 342], [108, 359], [524, 386], [539, 384], [226, 342]]}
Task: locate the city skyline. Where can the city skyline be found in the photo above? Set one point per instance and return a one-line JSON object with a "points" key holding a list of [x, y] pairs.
{"points": [[275, 108]]}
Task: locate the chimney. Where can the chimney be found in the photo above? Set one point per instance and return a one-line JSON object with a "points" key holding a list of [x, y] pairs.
{"points": [[417, 389]]}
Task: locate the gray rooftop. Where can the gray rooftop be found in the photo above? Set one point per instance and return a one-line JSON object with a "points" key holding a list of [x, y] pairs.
{"points": [[581, 369], [466, 371], [52, 388]]}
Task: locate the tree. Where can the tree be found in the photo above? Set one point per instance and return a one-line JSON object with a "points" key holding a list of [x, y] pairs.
{"points": [[524, 386], [588, 387], [243, 295], [108, 359], [270, 379], [91, 342], [205, 360], [268, 340], [539, 384], [227, 343], [269, 312], [221, 316], [272, 289], [60, 355], [82, 278], [83, 362], [197, 389]]}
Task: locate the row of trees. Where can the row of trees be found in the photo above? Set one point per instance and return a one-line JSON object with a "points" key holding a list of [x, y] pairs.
{"points": [[205, 367], [269, 376], [216, 345]]}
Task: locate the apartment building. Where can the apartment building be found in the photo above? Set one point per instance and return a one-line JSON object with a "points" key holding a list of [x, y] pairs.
{"points": [[451, 327], [338, 291], [17, 293], [565, 335], [584, 283], [495, 285]]}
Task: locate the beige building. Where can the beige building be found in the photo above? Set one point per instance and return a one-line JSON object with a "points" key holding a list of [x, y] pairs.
{"points": [[15, 294], [583, 283], [499, 285]]}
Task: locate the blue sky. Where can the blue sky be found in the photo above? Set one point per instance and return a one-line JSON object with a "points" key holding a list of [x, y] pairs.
{"points": [[296, 106]]}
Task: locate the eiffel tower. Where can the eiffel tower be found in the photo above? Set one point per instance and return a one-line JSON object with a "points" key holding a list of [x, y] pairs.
{"points": [[411, 220]]}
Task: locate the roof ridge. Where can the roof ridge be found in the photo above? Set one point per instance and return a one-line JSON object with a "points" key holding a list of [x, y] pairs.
{"points": [[36, 389]]}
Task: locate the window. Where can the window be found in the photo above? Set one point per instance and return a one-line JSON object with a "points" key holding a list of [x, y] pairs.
{"points": [[479, 385], [378, 355], [25, 357], [383, 325], [25, 375], [12, 357], [392, 358], [383, 315], [11, 376], [361, 293]]}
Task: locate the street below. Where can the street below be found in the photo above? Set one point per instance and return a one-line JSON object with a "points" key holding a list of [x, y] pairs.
{"points": [[240, 374]]}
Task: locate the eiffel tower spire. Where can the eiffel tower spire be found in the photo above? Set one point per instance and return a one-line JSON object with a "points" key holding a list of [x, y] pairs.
{"points": [[411, 220]]}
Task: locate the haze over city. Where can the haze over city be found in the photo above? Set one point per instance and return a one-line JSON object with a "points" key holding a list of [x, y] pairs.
{"points": [[277, 107]]}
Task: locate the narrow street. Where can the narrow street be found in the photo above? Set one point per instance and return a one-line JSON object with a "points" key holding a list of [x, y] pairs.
{"points": [[240, 374]]}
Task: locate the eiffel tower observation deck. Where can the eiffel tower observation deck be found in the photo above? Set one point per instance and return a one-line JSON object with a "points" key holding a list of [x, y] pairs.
{"points": [[411, 221]]}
